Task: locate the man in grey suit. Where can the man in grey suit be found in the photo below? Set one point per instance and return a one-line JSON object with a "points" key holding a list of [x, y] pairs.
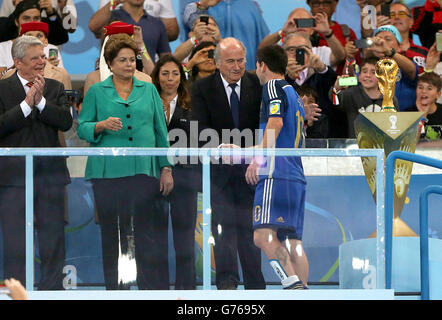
{"points": [[32, 110], [227, 100]]}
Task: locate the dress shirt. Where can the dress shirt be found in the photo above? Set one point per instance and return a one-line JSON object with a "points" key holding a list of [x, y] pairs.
{"points": [[229, 89], [172, 106], [24, 105]]}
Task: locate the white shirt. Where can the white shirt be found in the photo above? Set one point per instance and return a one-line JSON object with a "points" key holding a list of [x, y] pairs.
{"points": [[172, 107], [155, 8], [8, 7], [24, 105], [228, 89], [6, 56]]}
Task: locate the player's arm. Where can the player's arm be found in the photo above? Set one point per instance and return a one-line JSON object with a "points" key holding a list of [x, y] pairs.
{"points": [[271, 133]]}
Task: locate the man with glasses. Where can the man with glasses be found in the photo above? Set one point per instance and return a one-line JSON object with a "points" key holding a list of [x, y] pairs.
{"points": [[400, 17], [340, 31], [312, 73]]}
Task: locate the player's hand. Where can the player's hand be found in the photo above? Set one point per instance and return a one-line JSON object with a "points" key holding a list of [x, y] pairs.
{"points": [[230, 159], [252, 176]]}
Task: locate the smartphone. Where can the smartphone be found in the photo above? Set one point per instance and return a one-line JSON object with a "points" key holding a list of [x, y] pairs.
{"points": [[363, 43], [211, 54], [300, 56], [385, 10], [204, 19], [348, 82], [53, 53], [73, 96], [438, 41], [305, 23]]}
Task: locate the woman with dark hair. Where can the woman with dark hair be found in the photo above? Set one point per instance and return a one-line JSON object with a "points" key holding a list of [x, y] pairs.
{"points": [[123, 111], [169, 78], [201, 61]]}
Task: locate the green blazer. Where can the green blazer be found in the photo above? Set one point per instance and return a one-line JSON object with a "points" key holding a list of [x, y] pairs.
{"points": [[143, 126]]}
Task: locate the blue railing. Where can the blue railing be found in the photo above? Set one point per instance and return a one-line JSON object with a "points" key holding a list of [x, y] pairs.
{"points": [[424, 252], [205, 156], [389, 191]]}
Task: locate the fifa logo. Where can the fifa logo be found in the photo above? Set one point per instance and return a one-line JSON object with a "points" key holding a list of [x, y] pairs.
{"points": [[393, 121]]}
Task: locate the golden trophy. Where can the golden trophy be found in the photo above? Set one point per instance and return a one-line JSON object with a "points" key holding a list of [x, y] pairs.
{"points": [[389, 130]]}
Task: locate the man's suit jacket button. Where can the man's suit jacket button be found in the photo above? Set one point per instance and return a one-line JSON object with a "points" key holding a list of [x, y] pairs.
{"points": [[128, 116], [130, 138], [126, 105], [129, 127]]}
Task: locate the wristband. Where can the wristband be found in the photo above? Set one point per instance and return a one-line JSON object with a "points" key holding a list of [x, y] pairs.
{"points": [[185, 68], [281, 35], [194, 41], [428, 70], [329, 35]]}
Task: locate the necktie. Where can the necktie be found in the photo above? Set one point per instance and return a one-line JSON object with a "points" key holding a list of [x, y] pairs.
{"points": [[30, 84], [234, 105]]}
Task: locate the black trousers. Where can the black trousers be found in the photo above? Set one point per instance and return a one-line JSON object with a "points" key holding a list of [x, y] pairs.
{"points": [[183, 212], [49, 209], [232, 206], [121, 198]]}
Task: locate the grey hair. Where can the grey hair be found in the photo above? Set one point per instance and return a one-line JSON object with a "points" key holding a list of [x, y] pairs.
{"points": [[298, 34], [21, 45], [216, 54]]}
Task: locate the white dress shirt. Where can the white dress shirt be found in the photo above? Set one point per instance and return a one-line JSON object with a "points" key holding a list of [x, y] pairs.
{"points": [[172, 106], [229, 89], [24, 105]]}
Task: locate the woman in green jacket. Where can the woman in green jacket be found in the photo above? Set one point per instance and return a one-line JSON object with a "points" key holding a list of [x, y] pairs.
{"points": [[122, 111]]}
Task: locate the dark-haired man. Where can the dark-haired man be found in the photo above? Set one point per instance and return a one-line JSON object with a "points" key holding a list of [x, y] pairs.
{"points": [[278, 209]]}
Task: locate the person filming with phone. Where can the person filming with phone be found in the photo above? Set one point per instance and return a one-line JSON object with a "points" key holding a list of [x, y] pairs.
{"points": [[305, 68]]}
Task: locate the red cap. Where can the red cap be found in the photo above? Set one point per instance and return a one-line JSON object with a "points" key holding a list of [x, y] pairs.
{"points": [[118, 27], [34, 26]]}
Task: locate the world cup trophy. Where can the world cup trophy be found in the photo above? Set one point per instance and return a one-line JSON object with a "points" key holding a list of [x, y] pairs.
{"points": [[389, 130]]}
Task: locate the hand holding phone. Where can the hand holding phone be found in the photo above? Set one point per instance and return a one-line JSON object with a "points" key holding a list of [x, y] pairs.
{"points": [[305, 23], [363, 43], [300, 56]]}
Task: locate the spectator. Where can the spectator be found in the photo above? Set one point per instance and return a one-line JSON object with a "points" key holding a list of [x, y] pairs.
{"points": [[401, 18], [38, 29], [313, 73], [240, 19], [102, 72], [159, 9], [32, 110], [386, 44], [170, 80], [200, 64], [433, 63], [341, 31], [364, 97], [428, 91], [201, 32], [64, 8], [132, 12], [331, 55], [28, 11], [427, 21], [16, 289], [223, 101], [120, 99], [309, 97]]}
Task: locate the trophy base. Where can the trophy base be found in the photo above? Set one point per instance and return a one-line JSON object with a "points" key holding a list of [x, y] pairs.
{"points": [[400, 229]]}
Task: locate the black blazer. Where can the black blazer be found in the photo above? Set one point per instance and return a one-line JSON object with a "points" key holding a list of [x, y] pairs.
{"points": [[210, 107], [36, 130]]}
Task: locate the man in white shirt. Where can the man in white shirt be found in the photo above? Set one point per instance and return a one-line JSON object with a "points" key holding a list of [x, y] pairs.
{"points": [[161, 9]]}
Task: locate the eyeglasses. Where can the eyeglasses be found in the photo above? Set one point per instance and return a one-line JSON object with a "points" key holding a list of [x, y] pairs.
{"points": [[293, 49], [400, 14], [321, 3]]}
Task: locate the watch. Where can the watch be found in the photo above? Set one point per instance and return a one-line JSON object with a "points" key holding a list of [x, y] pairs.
{"points": [[391, 54]]}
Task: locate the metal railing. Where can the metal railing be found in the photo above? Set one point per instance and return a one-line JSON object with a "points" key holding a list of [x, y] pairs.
{"points": [[389, 189], [205, 156]]}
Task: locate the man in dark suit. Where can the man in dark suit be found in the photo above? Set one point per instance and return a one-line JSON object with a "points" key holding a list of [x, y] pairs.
{"points": [[230, 99], [32, 110]]}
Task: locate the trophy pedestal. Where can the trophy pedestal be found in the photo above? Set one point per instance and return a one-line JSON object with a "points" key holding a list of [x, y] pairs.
{"points": [[400, 229], [357, 265]]}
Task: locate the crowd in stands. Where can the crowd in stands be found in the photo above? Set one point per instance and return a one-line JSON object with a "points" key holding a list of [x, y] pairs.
{"points": [[320, 52]]}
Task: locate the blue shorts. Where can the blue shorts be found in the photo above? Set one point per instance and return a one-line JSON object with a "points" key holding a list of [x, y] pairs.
{"points": [[279, 204]]}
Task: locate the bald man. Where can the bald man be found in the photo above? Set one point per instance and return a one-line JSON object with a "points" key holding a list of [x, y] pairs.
{"points": [[227, 100]]}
